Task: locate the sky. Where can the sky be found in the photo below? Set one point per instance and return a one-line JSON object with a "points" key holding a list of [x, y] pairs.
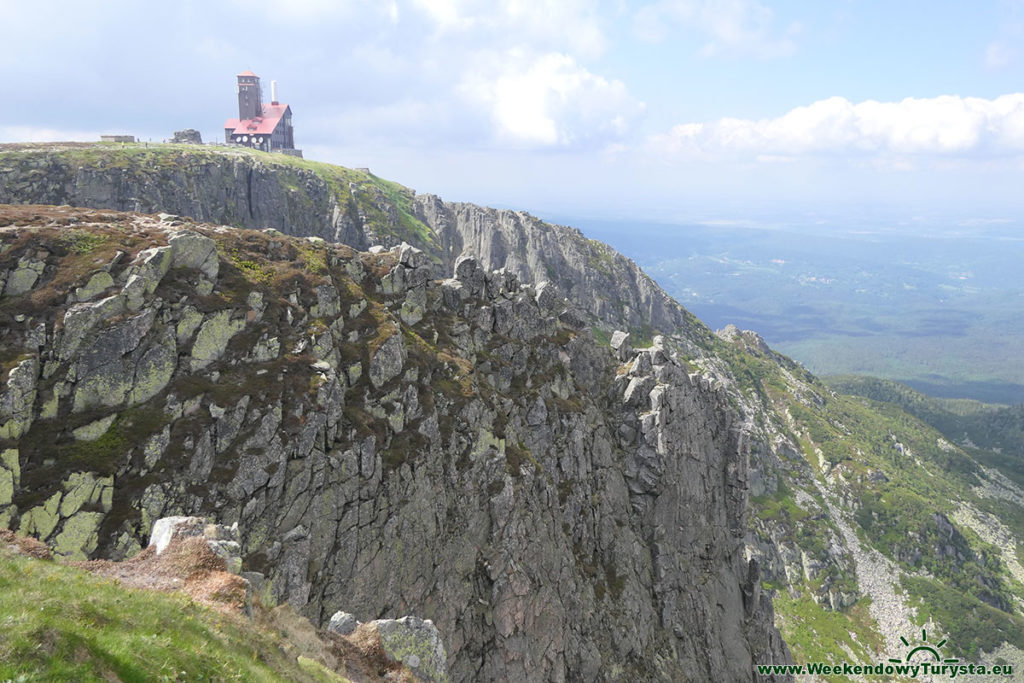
{"points": [[654, 109]]}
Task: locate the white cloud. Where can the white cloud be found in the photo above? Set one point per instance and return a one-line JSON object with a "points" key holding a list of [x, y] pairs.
{"points": [[571, 23], [731, 27], [447, 14], [563, 25], [308, 11], [949, 126], [550, 101]]}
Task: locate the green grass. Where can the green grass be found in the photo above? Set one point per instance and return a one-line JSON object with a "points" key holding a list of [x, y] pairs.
{"points": [[901, 516], [816, 634], [61, 623], [102, 456], [996, 430], [601, 336], [971, 624], [81, 241], [601, 257], [401, 198], [313, 258], [255, 272], [779, 505]]}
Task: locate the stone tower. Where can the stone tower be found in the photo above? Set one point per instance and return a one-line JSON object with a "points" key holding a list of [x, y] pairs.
{"points": [[250, 103]]}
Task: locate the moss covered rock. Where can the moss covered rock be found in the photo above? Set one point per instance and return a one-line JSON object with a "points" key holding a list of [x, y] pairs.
{"points": [[417, 644]]}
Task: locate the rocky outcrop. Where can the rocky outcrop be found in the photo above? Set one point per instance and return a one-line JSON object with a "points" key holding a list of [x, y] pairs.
{"points": [[228, 187], [342, 623], [189, 136], [221, 540], [414, 643], [245, 189], [593, 276], [387, 443]]}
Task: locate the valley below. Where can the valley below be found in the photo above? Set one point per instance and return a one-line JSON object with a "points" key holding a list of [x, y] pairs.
{"points": [[930, 302]]}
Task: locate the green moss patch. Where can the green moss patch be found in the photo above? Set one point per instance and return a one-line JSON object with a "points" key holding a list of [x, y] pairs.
{"points": [[817, 634], [49, 454]]}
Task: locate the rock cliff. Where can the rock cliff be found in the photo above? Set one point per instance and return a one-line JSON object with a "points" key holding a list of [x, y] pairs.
{"points": [[388, 442], [304, 198], [485, 399]]}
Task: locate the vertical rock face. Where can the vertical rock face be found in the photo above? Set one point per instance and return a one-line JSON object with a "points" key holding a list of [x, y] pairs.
{"points": [[592, 275], [218, 186], [354, 208], [559, 510]]}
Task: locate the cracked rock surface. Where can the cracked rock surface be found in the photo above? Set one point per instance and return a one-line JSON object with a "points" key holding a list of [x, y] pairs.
{"points": [[387, 442]]}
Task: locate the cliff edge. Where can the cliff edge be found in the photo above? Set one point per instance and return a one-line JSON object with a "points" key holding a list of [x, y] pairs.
{"points": [[388, 441]]}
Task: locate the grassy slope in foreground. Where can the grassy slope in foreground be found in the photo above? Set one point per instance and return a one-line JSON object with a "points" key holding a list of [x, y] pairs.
{"points": [[62, 623]]}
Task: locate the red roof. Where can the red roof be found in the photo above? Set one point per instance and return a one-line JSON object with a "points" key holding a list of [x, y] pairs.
{"points": [[263, 125], [247, 73]]}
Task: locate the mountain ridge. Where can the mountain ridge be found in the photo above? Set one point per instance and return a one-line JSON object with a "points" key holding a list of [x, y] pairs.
{"points": [[304, 198], [861, 519]]}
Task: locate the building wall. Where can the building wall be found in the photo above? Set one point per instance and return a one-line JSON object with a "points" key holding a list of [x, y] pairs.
{"points": [[249, 101], [284, 134]]}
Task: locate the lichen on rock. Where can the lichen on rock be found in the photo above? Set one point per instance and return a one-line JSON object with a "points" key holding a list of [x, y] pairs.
{"points": [[388, 360], [10, 475], [214, 335], [192, 250], [417, 644], [18, 397], [24, 277]]}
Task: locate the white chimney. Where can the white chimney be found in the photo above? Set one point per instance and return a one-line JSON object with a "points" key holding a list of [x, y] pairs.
{"points": [[273, 92]]}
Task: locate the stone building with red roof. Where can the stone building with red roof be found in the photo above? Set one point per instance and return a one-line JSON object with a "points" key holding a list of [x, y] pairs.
{"points": [[266, 127]]}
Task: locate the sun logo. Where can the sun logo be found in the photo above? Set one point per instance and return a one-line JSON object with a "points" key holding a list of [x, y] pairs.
{"points": [[925, 647]]}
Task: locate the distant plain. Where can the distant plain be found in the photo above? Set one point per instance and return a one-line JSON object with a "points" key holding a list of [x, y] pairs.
{"points": [[934, 303]]}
